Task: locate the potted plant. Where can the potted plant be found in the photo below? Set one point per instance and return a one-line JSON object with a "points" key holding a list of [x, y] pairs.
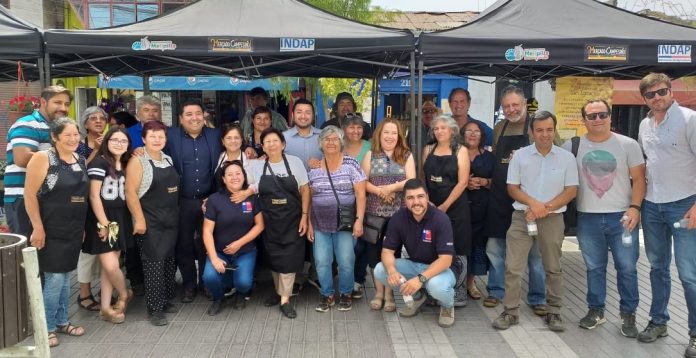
{"points": [[20, 105]]}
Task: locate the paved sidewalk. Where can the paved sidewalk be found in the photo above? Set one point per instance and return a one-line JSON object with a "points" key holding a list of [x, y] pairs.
{"points": [[258, 331]]}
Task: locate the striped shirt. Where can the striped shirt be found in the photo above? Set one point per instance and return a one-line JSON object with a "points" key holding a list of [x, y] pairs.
{"points": [[30, 131]]}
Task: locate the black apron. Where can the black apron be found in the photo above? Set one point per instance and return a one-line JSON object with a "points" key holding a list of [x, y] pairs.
{"points": [[282, 210], [63, 212], [441, 176], [160, 206], [500, 203]]}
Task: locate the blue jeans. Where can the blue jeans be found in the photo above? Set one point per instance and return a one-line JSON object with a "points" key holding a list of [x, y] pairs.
{"points": [[326, 245], [56, 294], [495, 250], [597, 234], [659, 234], [241, 279], [440, 287]]}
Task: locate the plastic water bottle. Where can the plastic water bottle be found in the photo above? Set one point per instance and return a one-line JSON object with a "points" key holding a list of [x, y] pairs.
{"points": [[532, 228], [626, 236], [408, 299], [682, 224]]}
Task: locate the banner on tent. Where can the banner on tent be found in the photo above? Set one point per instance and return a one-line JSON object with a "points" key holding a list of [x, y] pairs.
{"points": [[193, 83], [571, 95]]}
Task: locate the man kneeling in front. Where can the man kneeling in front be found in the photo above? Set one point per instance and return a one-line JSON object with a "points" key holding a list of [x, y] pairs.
{"points": [[426, 233]]}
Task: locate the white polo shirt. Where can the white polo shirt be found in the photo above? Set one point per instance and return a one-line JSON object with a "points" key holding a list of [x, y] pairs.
{"points": [[670, 149], [542, 177]]}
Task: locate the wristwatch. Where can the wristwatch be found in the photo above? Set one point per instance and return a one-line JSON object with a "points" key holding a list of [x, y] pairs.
{"points": [[422, 278]]}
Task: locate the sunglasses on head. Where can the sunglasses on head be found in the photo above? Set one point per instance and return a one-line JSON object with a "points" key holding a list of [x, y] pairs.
{"points": [[662, 92], [594, 116]]}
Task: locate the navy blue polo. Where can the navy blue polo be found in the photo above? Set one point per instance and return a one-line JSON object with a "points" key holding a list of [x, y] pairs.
{"points": [[196, 177], [424, 240]]}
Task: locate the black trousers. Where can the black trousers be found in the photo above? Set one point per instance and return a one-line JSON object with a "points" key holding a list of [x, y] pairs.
{"points": [[189, 246], [134, 266]]}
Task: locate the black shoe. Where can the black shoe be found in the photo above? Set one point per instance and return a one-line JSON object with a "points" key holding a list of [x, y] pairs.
{"points": [[215, 308], [345, 303], [239, 301], [230, 291], [288, 310], [325, 303], [138, 289], [158, 319], [296, 289], [272, 301], [170, 308], [188, 296]]}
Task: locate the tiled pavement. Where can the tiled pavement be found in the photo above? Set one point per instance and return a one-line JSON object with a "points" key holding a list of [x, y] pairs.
{"points": [[258, 331]]}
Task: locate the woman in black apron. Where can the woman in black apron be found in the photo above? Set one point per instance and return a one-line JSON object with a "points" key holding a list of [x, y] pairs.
{"points": [[446, 169], [284, 200], [152, 194], [56, 193]]}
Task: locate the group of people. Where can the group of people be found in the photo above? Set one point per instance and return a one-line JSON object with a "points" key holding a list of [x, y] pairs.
{"points": [[306, 197]]}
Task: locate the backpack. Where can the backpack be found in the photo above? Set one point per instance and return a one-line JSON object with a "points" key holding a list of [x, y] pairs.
{"points": [[570, 216]]}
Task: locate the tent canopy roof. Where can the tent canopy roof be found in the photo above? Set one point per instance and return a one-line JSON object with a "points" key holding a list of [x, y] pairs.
{"points": [[285, 37], [559, 34], [19, 39]]}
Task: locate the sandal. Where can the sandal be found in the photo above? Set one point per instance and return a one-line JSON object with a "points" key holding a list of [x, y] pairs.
{"points": [[473, 291], [70, 330], [121, 305], [376, 303], [112, 316], [53, 340], [94, 306], [389, 305]]}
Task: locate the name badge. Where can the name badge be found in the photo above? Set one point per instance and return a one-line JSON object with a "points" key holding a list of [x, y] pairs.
{"points": [[246, 207], [172, 189], [77, 199], [505, 160], [435, 179], [76, 167], [279, 201], [427, 236]]}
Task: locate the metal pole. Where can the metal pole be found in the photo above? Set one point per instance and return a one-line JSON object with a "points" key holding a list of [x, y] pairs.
{"points": [[375, 99], [412, 127], [42, 72], [36, 302], [420, 105], [146, 85], [47, 70]]}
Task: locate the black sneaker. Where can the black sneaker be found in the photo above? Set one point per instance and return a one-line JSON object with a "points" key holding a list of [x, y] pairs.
{"points": [[325, 303], [158, 319], [652, 332], [239, 301], [691, 348], [272, 301], [288, 310], [593, 319], [358, 291], [628, 325], [215, 308], [345, 303]]}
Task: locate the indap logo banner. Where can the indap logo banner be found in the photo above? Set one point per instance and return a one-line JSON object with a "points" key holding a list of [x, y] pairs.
{"points": [[288, 44], [674, 53]]}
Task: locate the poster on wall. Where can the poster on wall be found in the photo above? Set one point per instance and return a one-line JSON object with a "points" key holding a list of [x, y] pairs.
{"points": [[571, 95]]}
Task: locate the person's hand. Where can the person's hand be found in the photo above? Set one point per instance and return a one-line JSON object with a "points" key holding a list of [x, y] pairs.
{"points": [[633, 216], [218, 264], [303, 225], [394, 279], [443, 207], [240, 196], [529, 215], [691, 215], [314, 163], [411, 286], [475, 183], [232, 248], [358, 228], [99, 140], [250, 153], [38, 238], [103, 233], [310, 233], [139, 152], [539, 209], [203, 205], [390, 198], [139, 227]]}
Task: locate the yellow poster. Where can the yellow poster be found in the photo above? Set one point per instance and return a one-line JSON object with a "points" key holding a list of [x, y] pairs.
{"points": [[571, 95]]}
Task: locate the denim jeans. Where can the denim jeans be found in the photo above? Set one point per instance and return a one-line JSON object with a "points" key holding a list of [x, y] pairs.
{"points": [[440, 287], [659, 234], [326, 245], [56, 294], [597, 234], [241, 279], [495, 250]]}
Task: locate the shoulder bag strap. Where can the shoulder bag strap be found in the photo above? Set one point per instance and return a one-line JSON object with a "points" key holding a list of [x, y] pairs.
{"points": [[328, 173]]}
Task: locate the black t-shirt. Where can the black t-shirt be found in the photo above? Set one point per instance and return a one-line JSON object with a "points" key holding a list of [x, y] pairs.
{"points": [[232, 221], [424, 240], [113, 183]]}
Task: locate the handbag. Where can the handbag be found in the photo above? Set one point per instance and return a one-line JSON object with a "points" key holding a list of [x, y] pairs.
{"points": [[373, 228], [346, 213]]}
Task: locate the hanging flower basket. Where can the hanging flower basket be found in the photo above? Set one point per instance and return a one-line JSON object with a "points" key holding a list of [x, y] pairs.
{"points": [[13, 116]]}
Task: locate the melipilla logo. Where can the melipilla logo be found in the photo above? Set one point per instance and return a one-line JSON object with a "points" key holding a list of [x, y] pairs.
{"points": [[145, 44]]}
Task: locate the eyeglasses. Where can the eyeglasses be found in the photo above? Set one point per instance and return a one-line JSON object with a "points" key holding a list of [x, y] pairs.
{"points": [[594, 116], [472, 132], [118, 141], [427, 111], [97, 118], [332, 140], [662, 92]]}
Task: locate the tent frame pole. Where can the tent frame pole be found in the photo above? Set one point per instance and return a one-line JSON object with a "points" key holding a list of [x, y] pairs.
{"points": [[419, 140], [414, 118]]}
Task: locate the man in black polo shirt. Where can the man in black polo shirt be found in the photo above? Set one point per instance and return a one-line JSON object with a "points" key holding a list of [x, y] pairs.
{"points": [[426, 233]]}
